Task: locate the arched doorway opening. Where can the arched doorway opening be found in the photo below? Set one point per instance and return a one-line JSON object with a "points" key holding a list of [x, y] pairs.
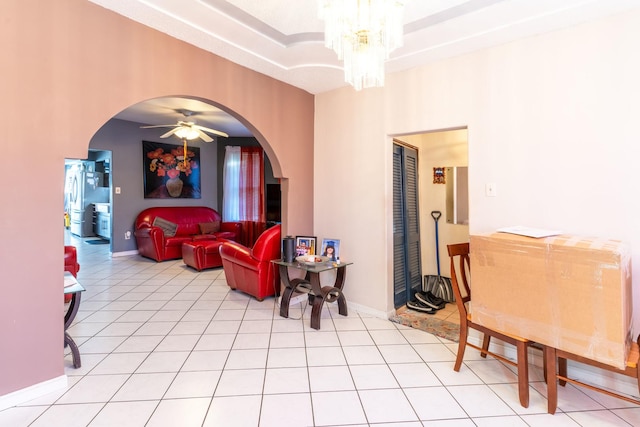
{"points": [[125, 134]]}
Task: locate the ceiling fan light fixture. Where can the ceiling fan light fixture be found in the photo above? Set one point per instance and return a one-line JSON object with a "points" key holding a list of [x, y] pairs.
{"points": [[186, 132], [363, 33]]}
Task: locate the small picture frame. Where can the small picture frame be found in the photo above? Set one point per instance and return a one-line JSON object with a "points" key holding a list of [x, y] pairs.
{"points": [[439, 176], [306, 245], [331, 248]]}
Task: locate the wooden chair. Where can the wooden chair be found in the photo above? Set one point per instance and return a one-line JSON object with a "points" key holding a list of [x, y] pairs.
{"points": [[554, 356], [460, 272]]}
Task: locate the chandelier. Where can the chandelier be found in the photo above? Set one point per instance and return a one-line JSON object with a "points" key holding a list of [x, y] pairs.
{"points": [[363, 33]]}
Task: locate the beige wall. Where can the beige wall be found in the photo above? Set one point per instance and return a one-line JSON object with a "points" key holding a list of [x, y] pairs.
{"points": [[67, 67], [352, 189], [552, 121]]}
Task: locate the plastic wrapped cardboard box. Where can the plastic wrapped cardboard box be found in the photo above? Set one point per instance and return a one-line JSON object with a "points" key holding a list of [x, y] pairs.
{"points": [[571, 293]]}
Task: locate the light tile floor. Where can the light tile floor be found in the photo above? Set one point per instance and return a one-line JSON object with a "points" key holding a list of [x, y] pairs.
{"points": [[164, 345]]}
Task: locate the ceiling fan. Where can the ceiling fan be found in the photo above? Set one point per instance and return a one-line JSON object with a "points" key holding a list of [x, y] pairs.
{"points": [[187, 129]]}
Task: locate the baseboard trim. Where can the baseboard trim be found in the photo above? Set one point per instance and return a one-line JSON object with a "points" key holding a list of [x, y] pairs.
{"points": [[367, 310], [123, 253], [33, 392], [295, 299]]}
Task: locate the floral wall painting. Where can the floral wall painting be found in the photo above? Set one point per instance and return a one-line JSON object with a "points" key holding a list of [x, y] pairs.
{"points": [[167, 175]]}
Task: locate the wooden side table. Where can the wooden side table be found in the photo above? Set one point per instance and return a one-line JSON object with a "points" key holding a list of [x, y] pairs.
{"points": [[75, 289], [318, 294]]}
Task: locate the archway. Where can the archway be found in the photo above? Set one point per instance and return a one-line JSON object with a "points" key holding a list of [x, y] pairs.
{"points": [[80, 83], [124, 134]]}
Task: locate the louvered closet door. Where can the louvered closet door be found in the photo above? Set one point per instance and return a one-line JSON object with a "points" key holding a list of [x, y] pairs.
{"points": [[407, 274]]}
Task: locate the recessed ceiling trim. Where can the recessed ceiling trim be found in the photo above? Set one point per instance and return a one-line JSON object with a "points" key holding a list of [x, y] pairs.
{"points": [[284, 39], [448, 14], [259, 27]]}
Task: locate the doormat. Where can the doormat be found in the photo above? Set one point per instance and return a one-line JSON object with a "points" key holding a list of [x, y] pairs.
{"points": [[97, 242], [427, 323]]}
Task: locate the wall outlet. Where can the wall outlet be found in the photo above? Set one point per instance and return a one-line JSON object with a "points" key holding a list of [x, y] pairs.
{"points": [[127, 235]]}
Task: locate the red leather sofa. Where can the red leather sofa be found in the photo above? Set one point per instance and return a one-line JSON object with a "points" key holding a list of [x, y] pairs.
{"points": [[159, 244], [251, 270]]}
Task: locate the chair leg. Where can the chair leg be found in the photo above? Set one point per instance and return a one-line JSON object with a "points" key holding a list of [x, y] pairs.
{"points": [[552, 383], [462, 345], [562, 370], [486, 340], [544, 363], [523, 373]]}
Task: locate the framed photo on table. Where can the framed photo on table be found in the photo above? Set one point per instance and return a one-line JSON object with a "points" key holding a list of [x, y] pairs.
{"points": [[331, 248], [306, 245]]}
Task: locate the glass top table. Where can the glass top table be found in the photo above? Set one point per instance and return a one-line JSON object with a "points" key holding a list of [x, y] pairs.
{"points": [[310, 284], [75, 289]]}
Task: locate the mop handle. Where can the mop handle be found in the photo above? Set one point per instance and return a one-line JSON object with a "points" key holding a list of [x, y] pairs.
{"points": [[436, 216]]}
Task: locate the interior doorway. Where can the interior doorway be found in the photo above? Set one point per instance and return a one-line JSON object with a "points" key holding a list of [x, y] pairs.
{"points": [[87, 196], [442, 150], [407, 277]]}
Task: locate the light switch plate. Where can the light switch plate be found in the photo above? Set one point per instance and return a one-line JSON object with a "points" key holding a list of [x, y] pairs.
{"points": [[490, 190]]}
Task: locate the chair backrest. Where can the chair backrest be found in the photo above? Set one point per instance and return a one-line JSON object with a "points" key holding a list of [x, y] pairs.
{"points": [[460, 272], [268, 246]]}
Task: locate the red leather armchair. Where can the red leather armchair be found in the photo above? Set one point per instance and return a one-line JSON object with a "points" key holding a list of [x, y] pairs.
{"points": [[71, 264], [251, 270], [71, 260]]}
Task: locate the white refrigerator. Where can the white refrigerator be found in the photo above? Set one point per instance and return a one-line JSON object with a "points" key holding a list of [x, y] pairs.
{"points": [[83, 189]]}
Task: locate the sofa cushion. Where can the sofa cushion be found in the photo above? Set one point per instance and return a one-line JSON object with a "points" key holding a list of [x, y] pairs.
{"points": [[209, 227], [169, 228]]}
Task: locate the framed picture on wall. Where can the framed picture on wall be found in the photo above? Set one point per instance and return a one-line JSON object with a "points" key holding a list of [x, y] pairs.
{"points": [[331, 248], [166, 173], [306, 245]]}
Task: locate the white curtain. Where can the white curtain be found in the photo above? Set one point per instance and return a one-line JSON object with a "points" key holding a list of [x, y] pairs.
{"points": [[243, 184], [231, 184]]}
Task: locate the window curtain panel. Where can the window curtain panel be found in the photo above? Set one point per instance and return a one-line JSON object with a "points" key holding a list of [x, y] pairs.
{"points": [[243, 198], [231, 184]]}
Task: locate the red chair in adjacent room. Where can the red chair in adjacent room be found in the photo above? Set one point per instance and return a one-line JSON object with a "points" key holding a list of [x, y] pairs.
{"points": [[251, 270], [71, 264]]}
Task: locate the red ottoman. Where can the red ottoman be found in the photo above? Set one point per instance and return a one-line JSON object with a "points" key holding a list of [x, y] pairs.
{"points": [[202, 254]]}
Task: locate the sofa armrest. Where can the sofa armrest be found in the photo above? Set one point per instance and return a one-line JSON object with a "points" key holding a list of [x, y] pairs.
{"points": [[150, 241], [234, 227], [238, 254]]}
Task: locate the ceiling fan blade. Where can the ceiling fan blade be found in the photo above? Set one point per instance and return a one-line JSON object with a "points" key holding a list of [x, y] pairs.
{"points": [[157, 126], [215, 132], [171, 132], [203, 136]]}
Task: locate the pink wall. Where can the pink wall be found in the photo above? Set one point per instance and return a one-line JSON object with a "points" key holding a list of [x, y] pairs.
{"points": [[67, 67]]}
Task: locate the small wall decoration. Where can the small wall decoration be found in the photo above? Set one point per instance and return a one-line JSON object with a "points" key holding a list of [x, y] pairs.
{"points": [[306, 245], [331, 249], [167, 175], [438, 176]]}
